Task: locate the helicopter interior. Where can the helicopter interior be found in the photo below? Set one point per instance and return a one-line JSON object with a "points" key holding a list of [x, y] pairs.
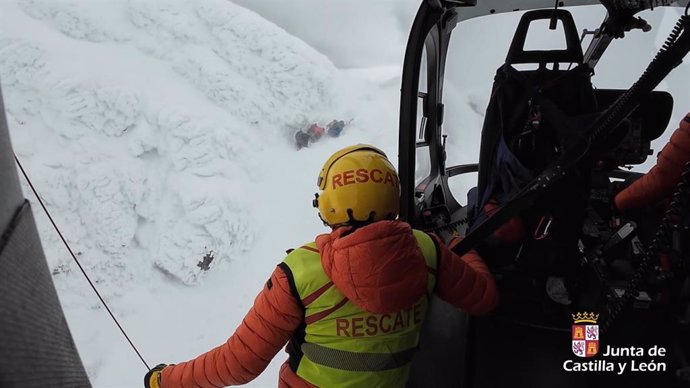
{"points": [[554, 151]]}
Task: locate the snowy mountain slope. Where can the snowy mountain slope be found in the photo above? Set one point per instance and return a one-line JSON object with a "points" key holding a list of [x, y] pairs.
{"points": [[351, 33], [155, 132], [147, 120]]}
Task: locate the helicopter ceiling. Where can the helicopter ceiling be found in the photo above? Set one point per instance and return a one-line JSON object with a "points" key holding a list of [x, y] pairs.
{"points": [[477, 8]]}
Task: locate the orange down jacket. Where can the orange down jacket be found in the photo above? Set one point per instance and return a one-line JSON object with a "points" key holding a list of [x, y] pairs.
{"points": [[364, 259], [660, 181]]}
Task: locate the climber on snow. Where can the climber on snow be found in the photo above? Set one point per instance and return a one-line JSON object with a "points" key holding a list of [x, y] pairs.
{"points": [[350, 305], [314, 132], [335, 127], [310, 134], [301, 139]]}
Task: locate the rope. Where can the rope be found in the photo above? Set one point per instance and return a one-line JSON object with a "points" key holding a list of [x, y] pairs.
{"points": [[38, 197]]}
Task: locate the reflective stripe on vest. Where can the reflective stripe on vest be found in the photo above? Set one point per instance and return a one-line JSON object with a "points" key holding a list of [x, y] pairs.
{"points": [[328, 355]]}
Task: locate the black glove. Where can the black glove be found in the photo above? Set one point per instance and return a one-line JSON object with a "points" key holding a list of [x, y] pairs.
{"points": [[153, 377]]}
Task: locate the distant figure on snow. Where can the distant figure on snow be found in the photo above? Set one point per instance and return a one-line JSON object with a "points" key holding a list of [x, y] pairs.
{"points": [[350, 305], [315, 132], [301, 139], [335, 127], [308, 134]]}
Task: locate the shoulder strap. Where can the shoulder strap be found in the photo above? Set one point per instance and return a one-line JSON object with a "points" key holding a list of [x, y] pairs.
{"points": [[430, 253]]}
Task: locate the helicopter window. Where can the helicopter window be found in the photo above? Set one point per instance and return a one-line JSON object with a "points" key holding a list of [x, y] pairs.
{"points": [[423, 73], [534, 66], [469, 73], [422, 164], [421, 95], [423, 158], [540, 37]]}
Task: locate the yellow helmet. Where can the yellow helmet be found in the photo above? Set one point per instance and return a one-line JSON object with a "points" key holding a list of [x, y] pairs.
{"points": [[358, 184]]}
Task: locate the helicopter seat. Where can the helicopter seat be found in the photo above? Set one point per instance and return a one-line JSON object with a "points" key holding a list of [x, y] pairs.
{"points": [[532, 117]]}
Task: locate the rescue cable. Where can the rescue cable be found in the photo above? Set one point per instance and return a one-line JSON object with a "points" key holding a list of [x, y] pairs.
{"points": [[40, 201]]}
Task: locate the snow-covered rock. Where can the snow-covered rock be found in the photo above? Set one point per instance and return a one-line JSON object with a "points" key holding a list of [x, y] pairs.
{"points": [[123, 152]]}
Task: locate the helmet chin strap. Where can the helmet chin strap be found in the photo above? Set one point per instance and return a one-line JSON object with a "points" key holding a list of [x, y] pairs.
{"points": [[352, 222]]}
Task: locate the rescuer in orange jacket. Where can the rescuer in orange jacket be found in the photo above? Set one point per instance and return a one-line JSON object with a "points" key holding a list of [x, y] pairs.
{"points": [[660, 181], [350, 305]]}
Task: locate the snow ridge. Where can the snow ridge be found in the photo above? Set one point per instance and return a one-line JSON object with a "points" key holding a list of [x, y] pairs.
{"points": [[130, 155]]}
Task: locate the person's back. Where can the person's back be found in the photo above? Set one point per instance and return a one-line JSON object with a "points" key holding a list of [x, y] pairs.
{"points": [[359, 320], [301, 139], [351, 304], [315, 132]]}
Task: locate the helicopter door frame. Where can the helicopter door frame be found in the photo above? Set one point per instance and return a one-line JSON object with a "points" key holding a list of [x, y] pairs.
{"points": [[431, 30]]}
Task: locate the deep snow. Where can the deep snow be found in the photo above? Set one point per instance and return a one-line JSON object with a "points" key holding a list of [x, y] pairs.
{"points": [[156, 132]]}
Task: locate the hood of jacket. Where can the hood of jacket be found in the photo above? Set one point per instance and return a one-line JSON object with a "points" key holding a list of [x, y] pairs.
{"points": [[379, 267]]}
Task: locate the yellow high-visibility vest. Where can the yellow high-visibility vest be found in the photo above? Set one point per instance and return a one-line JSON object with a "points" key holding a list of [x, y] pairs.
{"points": [[342, 345]]}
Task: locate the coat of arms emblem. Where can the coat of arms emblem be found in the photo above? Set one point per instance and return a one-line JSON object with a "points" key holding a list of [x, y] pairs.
{"points": [[585, 334]]}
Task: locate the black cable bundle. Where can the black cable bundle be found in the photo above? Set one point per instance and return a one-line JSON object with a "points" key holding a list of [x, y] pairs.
{"points": [[661, 240]]}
